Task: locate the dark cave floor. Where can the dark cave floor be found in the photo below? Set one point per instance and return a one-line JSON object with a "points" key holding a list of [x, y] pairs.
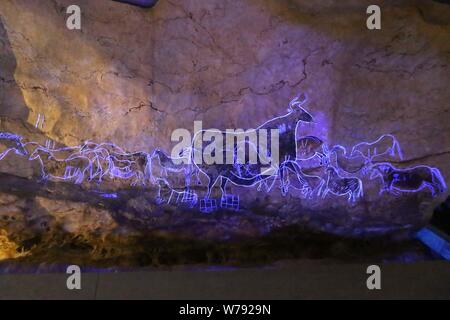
{"points": [[141, 234]]}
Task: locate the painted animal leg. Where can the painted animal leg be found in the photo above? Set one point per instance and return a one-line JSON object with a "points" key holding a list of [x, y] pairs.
{"points": [[283, 181], [350, 197], [159, 199], [432, 188], [324, 193], [211, 183], [79, 176], [187, 179], [321, 187], [223, 186]]}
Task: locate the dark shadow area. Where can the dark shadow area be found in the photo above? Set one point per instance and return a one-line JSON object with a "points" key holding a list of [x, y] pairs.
{"points": [[443, 1], [162, 237], [441, 217]]}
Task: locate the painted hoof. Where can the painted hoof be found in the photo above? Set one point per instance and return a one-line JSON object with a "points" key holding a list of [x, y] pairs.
{"points": [[230, 202], [208, 205]]}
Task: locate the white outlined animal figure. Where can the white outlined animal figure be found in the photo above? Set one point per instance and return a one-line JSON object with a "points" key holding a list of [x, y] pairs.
{"points": [[309, 185], [309, 147], [386, 145], [162, 167], [179, 196], [350, 164], [413, 179], [287, 127], [13, 142], [114, 162], [75, 168], [133, 166], [340, 186]]}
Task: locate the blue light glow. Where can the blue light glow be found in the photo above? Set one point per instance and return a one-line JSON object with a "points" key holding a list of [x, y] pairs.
{"points": [[338, 172], [435, 242]]}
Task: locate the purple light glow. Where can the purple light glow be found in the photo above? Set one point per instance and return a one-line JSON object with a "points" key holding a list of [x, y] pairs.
{"points": [[140, 3], [340, 174]]}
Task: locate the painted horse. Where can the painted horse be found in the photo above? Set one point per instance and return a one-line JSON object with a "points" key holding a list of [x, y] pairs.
{"points": [[74, 168], [127, 166], [173, 176], [340, 186], [412, 179], [386, 145], [308, 185]]}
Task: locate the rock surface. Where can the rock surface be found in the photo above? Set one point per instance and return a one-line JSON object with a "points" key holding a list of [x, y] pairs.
{"points": [[132, 76]]}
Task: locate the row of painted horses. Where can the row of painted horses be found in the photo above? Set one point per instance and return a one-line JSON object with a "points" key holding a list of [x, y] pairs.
{"points": [[337, 171]]}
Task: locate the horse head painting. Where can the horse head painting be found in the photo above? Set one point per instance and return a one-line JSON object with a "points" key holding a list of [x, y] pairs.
{"points": [[13, 142]]}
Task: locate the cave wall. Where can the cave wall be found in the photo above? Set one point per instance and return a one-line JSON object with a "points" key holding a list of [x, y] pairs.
{"points": [[131, 76], [139, 74]]}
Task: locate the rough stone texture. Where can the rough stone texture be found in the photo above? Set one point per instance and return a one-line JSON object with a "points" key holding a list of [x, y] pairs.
{"points": [[142, 73], [132, 76]]}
